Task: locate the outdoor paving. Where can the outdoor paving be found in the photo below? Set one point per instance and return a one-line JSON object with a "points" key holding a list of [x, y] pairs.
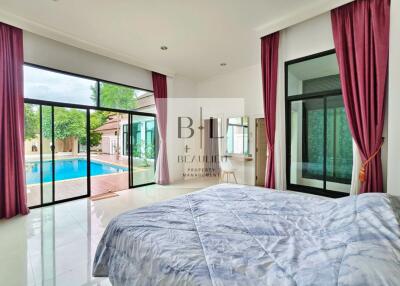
{"points": [[99, 184]]}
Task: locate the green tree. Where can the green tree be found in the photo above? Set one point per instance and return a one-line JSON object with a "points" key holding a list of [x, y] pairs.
{"points": [[72, 122], [97, 119], [67, 123], [115, 96], [31, 118]]}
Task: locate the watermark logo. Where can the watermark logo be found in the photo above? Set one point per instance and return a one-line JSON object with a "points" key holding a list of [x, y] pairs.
{"points": [[207, 162]]}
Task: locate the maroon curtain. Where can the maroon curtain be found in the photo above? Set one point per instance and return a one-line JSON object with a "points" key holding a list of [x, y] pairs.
{"points": [[12, 165], [269, 66], [160, 95], [361, 35]]}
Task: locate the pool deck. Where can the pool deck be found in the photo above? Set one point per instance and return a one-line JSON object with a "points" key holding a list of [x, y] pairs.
{"points": [[66, 189]]}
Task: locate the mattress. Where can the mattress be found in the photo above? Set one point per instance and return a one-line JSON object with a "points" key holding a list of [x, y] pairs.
{"points": [[241, 235]]}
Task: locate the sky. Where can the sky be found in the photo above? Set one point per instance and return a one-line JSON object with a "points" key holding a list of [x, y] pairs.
{"points": [[47, 85], [52, 86]]}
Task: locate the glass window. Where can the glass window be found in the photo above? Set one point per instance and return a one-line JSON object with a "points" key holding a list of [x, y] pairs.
{"points": [[58, 87], [137, 139], [339, 143], [313, 75], [321, 150], [144, 149], [237, 137], [33, 164], [120, 97], [150, 138]]}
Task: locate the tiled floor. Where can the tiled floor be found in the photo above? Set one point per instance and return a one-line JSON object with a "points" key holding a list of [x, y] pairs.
{"points": [[56, 245]]}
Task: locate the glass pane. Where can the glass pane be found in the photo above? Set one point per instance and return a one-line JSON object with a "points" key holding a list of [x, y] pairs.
{"points": [[150, 137], [58, 87], [109, 163], [47, 139], [123, 97], [237, 135], [246, 140], [238, 139], [315, 75], [70, 162], [245, 121], [339, 147], [32, 153], [229, 140], [143, 149], [125, 140], [306, 143], [235, 120]]}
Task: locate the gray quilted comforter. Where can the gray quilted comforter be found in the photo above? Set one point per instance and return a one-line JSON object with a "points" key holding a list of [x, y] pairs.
{"points": [[237, 235]]}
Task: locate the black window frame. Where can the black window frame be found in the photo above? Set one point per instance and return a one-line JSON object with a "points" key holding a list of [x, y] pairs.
{"points": [[96, 105], [53, 104], [288, 101]]}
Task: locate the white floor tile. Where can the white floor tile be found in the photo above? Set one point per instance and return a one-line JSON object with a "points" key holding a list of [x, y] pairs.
{"points": [[55, 246]]}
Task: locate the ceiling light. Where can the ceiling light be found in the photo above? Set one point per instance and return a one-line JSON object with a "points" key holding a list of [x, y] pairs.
{"points": [[223, 64], [164, 48]]}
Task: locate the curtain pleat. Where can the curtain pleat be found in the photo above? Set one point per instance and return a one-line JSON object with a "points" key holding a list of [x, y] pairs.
{"points": [[12, 161], [361, 36], [160, 96], [269, 67]]}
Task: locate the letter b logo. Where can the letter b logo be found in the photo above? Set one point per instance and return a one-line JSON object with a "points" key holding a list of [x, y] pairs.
{"points": [[189, 127]]}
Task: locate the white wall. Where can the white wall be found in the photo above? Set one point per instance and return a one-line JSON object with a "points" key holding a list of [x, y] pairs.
{"points": [[304, 39], [42, 51], [393, 184], [178, 88], [243, 84], [307, 38]]}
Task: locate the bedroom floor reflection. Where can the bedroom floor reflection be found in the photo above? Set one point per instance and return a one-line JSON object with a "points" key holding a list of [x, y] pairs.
{"points": [[56, 245]]}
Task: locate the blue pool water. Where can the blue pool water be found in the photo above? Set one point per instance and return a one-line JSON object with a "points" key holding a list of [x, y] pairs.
{"points": [[68, 169]]}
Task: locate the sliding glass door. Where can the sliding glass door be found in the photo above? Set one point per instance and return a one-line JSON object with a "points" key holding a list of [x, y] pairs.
{"points": [[70, 159], [109, 160], [56, 168], [319, 144], [33, 152], [47, 156], [73, 152], [143, 149]]}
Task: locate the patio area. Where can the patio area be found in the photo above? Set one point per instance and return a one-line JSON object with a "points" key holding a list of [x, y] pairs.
{"points": [[100, 184]]}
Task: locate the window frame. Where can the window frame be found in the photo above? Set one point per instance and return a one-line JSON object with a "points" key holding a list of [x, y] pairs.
{"points": [[288, 101], [88, 108], [96, 105]]}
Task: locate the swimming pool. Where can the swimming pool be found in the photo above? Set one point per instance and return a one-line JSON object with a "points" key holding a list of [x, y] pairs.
{"points": [[68, 169]]}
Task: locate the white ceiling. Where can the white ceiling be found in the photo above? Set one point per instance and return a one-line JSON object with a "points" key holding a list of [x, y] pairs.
{"points": [[200, 34]]}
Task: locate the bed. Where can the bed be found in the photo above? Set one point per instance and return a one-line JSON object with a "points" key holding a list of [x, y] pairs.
{"points": [[241, 235]]}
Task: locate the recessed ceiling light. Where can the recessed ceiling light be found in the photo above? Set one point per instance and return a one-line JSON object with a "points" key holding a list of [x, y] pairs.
{"points": [[223, 64], [164, 48]]}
